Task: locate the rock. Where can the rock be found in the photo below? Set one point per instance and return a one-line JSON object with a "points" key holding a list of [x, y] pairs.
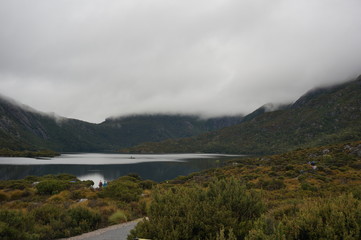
{"points": [[326, 151], [347, 147], [35, 183], [312, 155]]}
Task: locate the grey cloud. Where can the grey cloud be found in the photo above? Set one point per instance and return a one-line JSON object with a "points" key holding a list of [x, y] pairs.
{"points": [[92, 59]]}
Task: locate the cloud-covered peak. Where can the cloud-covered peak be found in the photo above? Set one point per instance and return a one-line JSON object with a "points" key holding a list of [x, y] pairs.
{"points": [[93, 59]]}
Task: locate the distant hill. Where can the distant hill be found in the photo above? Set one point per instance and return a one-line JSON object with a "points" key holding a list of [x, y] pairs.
{"points": [[23, 128], [132, 130], [322, 116]]}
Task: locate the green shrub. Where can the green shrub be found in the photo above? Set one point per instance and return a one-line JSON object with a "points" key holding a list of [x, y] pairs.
{"points": [[18, 194], [16, 225], [14, 184], [289, 167], [3, 197], [271, 184], [32, 178], [55, 222], [147, 184], [83, 219], [47, 213], [356, 192], [338, 218], [118, 217], [225, 236], [196, 213], [66, 177], [308, 187], [87, 183], [132, 175], [51, 186], [121, 190], [51, 220]]}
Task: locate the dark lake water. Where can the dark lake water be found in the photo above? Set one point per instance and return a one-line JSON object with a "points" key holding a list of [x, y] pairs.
{"points": [[97, 166]]}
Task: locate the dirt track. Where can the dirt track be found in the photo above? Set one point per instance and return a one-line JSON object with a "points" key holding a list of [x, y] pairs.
{"points": [[115, 232]]}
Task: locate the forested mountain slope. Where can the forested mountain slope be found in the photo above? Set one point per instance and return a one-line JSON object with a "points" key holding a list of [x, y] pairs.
{"points": [[322, 116], [24, 128]]}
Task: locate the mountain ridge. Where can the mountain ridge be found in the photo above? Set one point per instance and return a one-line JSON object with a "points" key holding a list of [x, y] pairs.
{"points": [[321, 116], [24, 128]]}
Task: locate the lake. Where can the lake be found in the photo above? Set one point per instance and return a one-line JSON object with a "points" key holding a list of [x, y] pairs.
{"points": [[100, 166]]}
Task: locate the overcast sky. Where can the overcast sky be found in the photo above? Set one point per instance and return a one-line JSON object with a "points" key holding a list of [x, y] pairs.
{"points": [[92, 59]]}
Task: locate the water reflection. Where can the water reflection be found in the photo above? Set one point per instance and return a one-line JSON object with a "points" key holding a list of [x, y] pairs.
{"points": [[155, 167], [96, 177]]}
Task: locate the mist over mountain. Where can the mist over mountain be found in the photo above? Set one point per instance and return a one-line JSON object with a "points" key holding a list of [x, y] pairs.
{"points": [[321, 116], [22, 127], [94, 59]]}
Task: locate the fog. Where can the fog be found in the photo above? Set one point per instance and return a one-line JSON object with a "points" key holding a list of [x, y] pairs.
{"points": [[92, 59]]}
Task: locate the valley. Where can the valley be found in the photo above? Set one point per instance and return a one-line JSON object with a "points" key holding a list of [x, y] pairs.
{"points": [[23, 128], [321, 116], [300, 179]]}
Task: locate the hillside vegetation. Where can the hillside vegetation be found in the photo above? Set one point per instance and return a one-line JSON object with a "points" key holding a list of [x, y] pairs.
{"points": [[59, 206], [305, 194], [310, 193], [322, 116], [22, 128], [4, 152]]}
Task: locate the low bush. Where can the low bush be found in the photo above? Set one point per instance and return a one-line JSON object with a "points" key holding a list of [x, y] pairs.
{"points": [[14, 184], [270, 184], [16, 225], [196, 213], [87, 183], [83, 219], [53, 222], [51, 186], [147, 184], [338, 218], [308, 187], [3, 196], [122, 190], [18, 194], [118, 217], [60, 197]]}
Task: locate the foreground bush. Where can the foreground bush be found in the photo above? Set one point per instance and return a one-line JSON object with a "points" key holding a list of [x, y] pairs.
{"points": [[118, 217], [61, 206], [333, 219], [126, 189], [83, 220], [51, 186], [53, 222], [16, 225], [195, 213]]}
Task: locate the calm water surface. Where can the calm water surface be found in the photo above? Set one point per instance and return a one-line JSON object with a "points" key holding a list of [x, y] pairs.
{"points": [[98, 166]]}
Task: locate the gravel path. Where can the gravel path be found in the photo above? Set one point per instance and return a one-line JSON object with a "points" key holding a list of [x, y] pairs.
{"points": [[115, 232]]}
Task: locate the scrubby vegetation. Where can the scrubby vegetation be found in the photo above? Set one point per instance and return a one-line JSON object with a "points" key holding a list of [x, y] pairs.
{"points": [[305, 194], [199, 213], [58, 206], [5, 152]]}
